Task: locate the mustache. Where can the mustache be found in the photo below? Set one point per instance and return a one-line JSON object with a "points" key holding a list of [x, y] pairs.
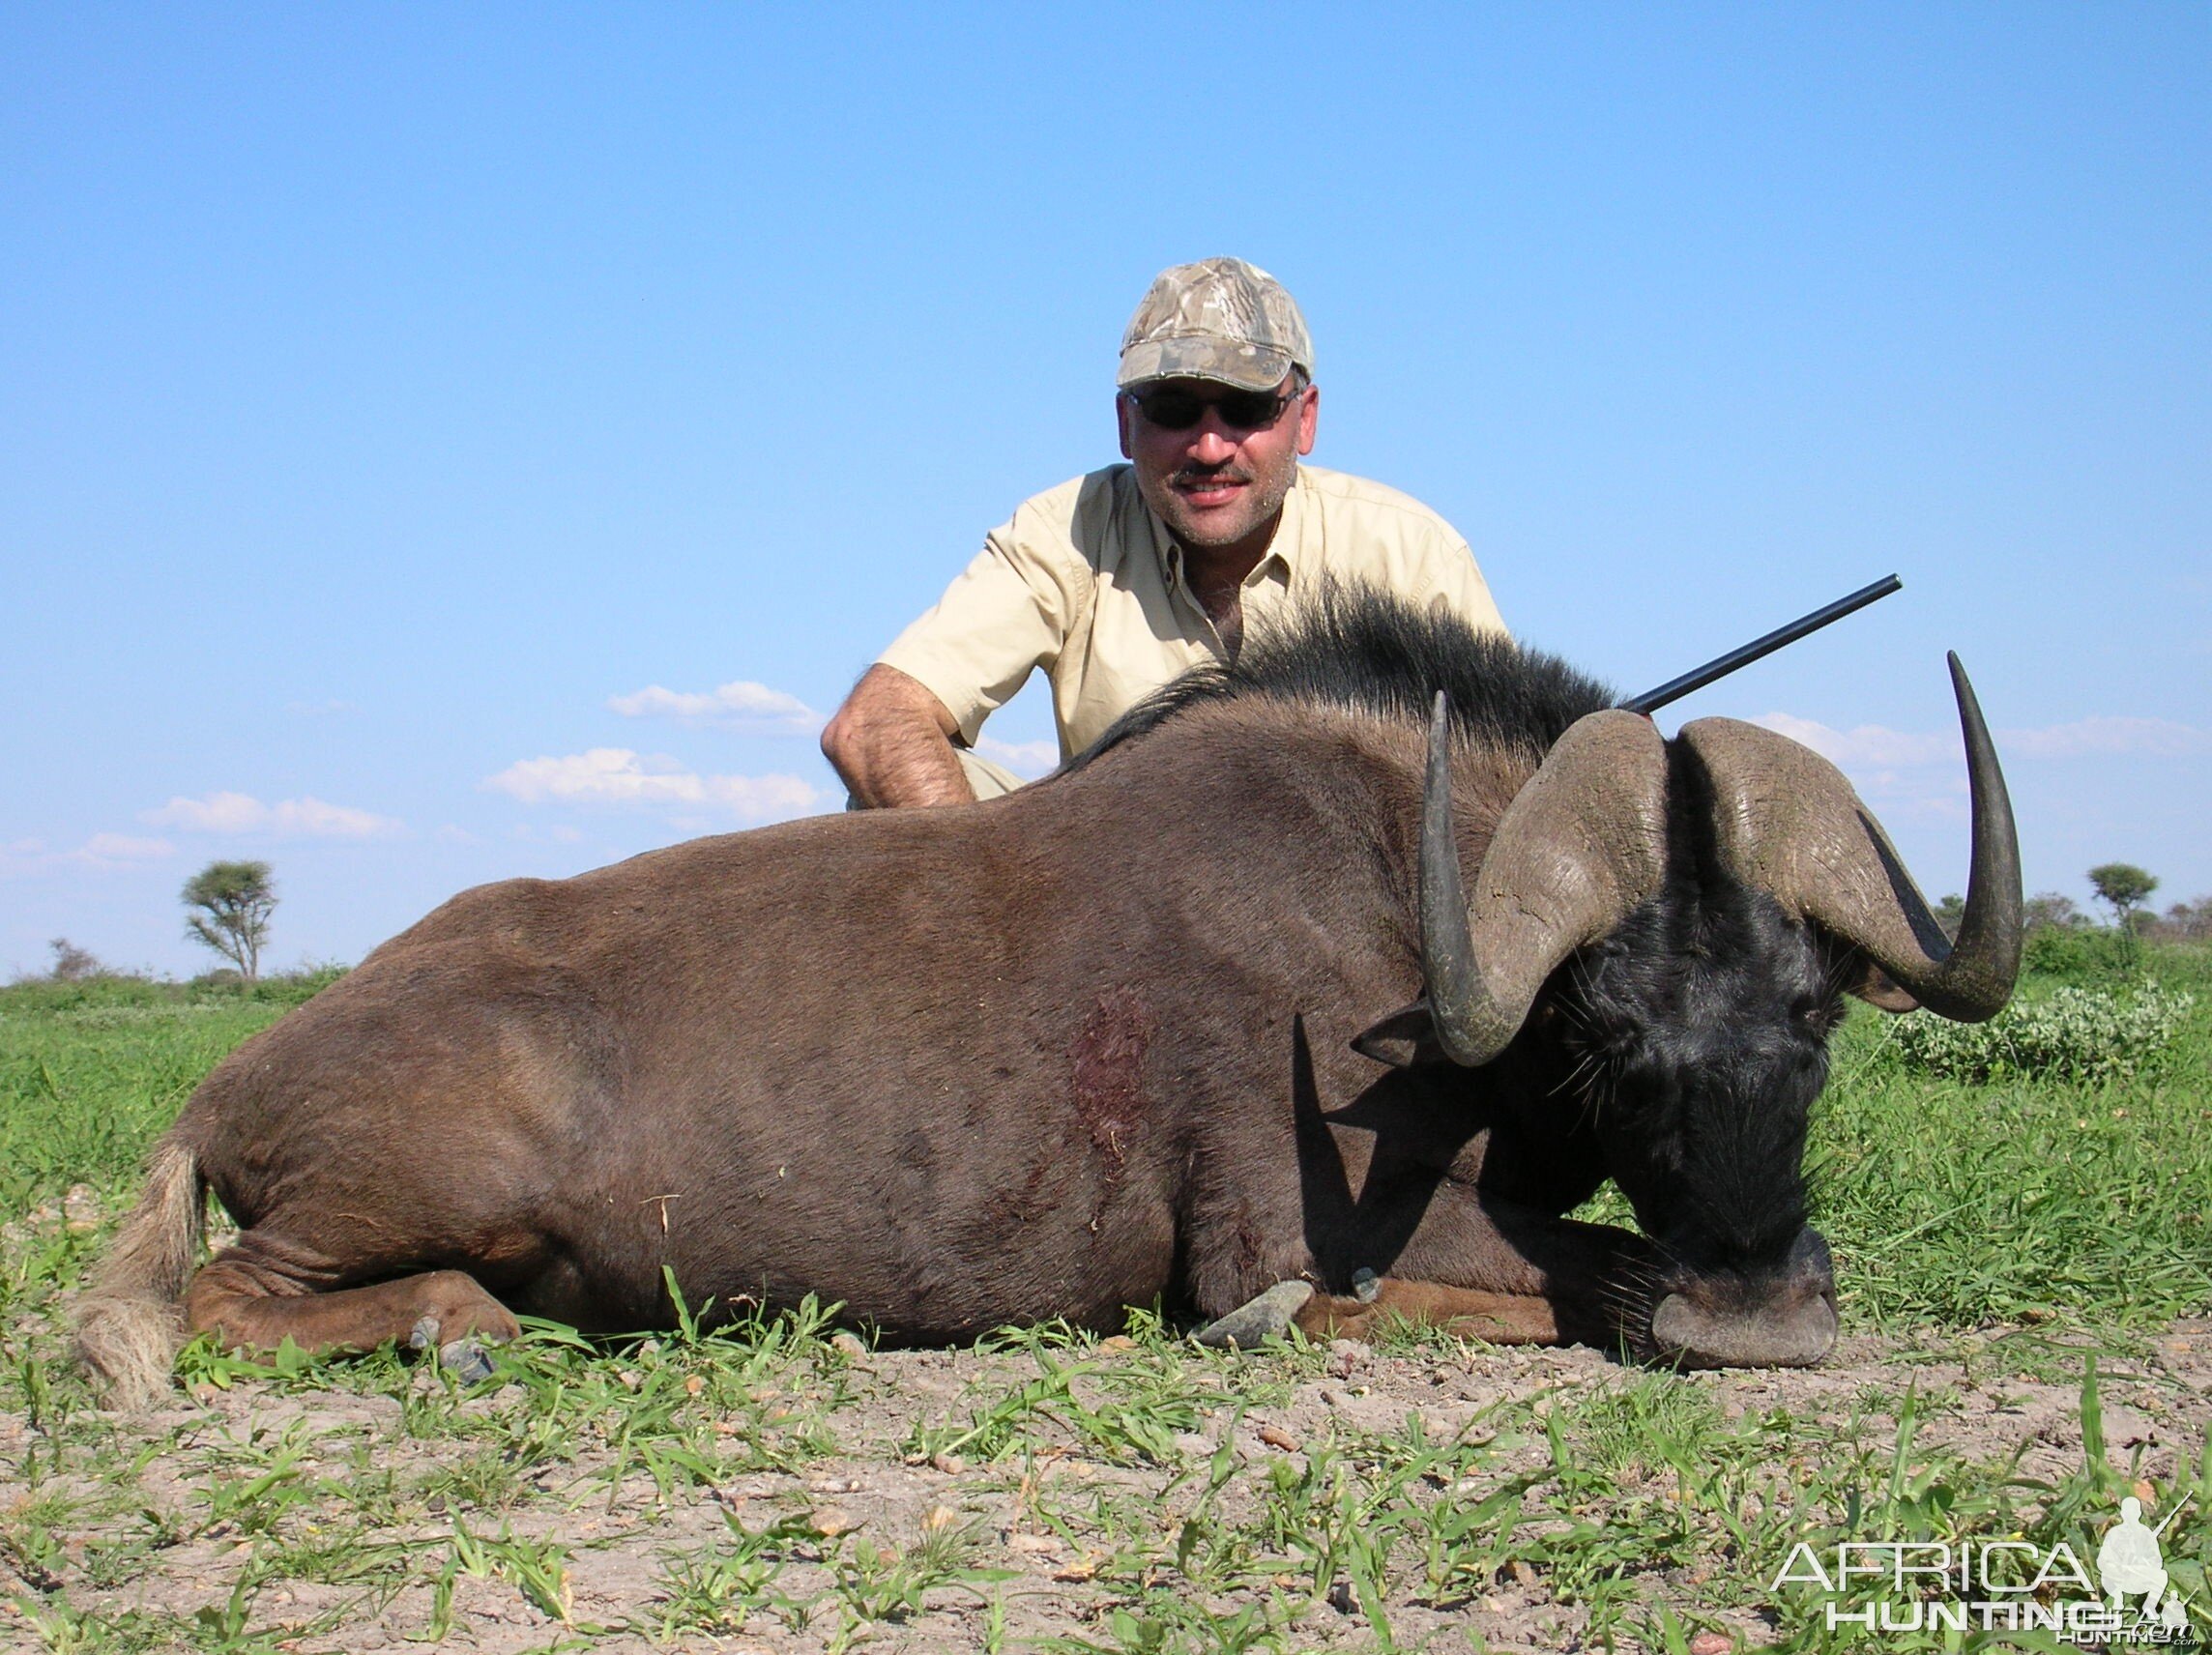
{"points": [[1204, 475]]}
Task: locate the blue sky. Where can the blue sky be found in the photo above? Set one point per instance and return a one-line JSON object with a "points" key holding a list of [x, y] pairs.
{"points": [[411, 419]]}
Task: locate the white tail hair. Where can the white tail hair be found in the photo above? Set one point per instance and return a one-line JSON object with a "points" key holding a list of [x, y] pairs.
{"points": [[129, 1324]]}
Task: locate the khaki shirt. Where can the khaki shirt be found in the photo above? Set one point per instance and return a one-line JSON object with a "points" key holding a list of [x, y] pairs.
{"points": [[1085, 582]]}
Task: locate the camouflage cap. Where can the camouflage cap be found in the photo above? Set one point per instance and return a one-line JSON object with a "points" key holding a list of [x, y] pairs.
{"points": [[1220, 319]]}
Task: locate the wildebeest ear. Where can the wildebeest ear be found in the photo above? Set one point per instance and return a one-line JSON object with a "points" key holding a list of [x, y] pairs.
{"points": [[1875, 987], [1401, 1039]]}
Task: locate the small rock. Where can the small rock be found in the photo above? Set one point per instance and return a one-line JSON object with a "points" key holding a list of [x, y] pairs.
{"points": [[693, 1385], [1522, 1572], [847, 1345], [1712, 1643], [1118, 1342], [951, 1465], [1276, 1437], [834, 1521], [1082, 1569]]}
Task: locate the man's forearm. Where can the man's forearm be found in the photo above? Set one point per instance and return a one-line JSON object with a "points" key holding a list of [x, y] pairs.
{"points": [[891, 744]]}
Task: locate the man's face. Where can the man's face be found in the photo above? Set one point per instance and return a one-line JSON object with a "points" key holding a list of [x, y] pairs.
{"points": [[1216, 483]]}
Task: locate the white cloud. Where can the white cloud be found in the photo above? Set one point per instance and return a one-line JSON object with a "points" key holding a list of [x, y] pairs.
{"points": [[2086, 738], [617, 775], [305, 818], [1869, 744], [1029, 759], [1905, 775], [740, 705], [113, 849], [103, 850], [1873, 745]]}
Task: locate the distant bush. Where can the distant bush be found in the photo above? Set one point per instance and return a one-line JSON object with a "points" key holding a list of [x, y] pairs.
{"points": [[2078, 1034], [112, 990], [2186, 923], [2081, 953], [296, 987], [73, 964], [2053, 908]]}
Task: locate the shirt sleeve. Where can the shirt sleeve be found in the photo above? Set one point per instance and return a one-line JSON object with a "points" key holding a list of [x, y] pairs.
{"points": [[1456, 583], [1004, 616]]}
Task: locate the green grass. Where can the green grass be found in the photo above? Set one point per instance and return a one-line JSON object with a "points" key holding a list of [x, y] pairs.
{"points": [[90, 1072], [1957, 1204], [2001, 1240]]}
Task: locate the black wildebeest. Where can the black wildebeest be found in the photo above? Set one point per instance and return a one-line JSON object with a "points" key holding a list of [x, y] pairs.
{"points": [[1094, 1045]]}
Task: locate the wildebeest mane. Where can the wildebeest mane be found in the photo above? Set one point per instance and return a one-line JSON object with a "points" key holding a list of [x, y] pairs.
{"points": [[1370, 652]]}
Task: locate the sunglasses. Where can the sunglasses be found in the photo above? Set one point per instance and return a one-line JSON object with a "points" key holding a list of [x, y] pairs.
{"points": [[1174, 410]]}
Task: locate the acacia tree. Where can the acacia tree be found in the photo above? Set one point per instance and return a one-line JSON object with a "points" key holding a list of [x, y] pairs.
{"points": [[228, 907], [2123, 888]]}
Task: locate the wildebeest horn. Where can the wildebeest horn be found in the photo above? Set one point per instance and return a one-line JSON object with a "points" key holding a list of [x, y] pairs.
{"points": [[1790, 825], [1584, 842]]}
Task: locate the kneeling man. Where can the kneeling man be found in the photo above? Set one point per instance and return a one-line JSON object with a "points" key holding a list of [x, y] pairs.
{"points": [[1122, 579]]}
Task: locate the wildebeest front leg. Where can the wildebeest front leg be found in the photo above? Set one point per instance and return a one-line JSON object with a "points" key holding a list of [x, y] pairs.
{"points": [[1498, 1273], [1448, 1252], [1509, 1274], [1501, 1319], [259, 1291]]}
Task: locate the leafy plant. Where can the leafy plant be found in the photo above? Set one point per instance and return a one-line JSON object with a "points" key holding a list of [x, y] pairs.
{"points": [[2076, 1033]]}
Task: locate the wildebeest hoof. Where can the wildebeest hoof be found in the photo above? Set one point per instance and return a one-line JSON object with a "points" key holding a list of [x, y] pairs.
{"points": [[424, 1335], [1261, 1319], [1366, 1286], [466, 1360]]}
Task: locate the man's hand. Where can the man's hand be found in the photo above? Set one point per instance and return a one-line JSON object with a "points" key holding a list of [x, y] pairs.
{"points": [[891, 742]]}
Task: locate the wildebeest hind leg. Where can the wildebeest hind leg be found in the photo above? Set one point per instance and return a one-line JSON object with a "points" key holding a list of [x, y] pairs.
{"points": [[262, 1290]]}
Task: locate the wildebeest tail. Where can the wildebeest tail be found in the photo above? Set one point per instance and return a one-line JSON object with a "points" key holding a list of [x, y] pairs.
{"points": [[129, 1322]]}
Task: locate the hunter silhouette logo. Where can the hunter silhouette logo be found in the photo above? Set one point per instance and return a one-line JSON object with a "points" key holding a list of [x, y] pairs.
{"points": [[2129, 1563], [2010, 1585]]}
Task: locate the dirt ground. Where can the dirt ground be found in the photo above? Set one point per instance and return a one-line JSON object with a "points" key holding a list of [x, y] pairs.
{"points": [[1037, 1544]]}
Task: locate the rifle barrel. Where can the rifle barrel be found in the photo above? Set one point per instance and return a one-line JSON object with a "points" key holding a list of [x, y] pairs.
{"points": [[1674, 688]]}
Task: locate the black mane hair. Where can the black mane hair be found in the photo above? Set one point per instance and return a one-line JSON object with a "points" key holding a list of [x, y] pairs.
{"points": [[1365, 649]]}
